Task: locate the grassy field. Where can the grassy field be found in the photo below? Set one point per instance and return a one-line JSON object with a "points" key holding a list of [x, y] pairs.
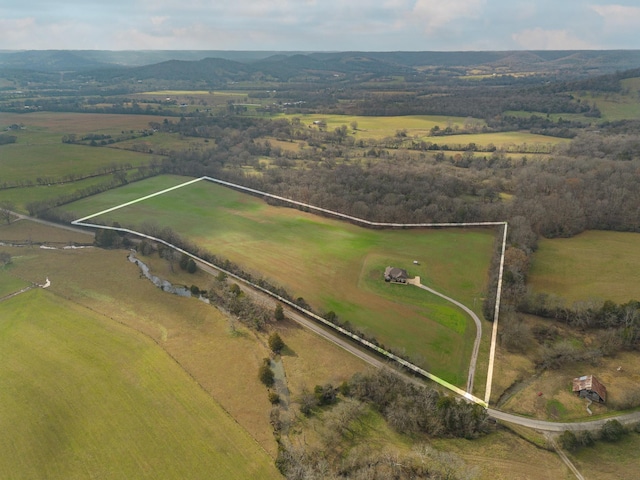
{"points": [[380, 127], [420, 126], [85, 397], [196, 335], [166, 141], [615, 106], [508, 141], [21, 197], [39, 153], [607, 264], [334, 266], [80, 123], [610, 461], [8, 284]]}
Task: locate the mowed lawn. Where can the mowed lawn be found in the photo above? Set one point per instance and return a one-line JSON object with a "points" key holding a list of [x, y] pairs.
{"points": [[333, 265], [84, 397], [594, 264]]}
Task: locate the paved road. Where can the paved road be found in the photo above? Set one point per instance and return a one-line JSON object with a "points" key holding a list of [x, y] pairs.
{"points": [[476, 343], [556, 427]]}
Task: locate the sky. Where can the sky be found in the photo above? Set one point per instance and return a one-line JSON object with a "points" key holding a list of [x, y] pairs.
{"points": [[320, 25]]}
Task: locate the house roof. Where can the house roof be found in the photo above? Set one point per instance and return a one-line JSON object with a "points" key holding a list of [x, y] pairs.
{"points": [[589, 382], [395, 273]]}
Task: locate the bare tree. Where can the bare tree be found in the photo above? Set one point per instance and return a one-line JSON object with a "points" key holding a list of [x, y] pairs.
{"points": [[6, 211]]}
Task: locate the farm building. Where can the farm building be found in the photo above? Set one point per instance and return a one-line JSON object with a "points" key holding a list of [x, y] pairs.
{"points": [[589, 387], [395, 275]]}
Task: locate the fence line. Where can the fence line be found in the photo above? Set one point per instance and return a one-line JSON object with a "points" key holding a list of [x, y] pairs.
{"points": [[467, 395]]}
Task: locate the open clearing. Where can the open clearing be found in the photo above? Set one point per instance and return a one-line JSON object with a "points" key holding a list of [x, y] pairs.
{"points": [[61, 123], [607, 264], [83, 396], [196, 335], [610, 461], [333, 265], [420, 126], [40, 153]]}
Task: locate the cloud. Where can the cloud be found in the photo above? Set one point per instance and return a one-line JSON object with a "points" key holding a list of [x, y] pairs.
{"points": [[159, 20], [30, 33], [437, 14], [541, 39], [618, 16]]}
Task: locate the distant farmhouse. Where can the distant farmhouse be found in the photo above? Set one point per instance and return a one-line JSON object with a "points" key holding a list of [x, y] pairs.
{"points": [[395, 275], [589, 387]]}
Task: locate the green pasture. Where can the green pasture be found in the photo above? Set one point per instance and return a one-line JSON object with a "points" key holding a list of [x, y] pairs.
{"points": [[9, 284], [614, 106], [333, 265], [380, 127], [21, 197], [84, 397], [594, 264], [40, 153], [420, 126]]}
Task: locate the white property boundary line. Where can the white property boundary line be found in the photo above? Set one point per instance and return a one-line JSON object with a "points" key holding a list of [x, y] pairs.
{"points": [[469, 396]]}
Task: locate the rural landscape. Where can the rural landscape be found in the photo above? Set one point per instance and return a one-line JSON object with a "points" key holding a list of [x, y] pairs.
{"points": [[340, 265]]}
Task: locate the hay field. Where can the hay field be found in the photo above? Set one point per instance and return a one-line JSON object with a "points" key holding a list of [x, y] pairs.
{"points": [[86, 397], [333, 265], [380, 127], [509, 141], [594, 264]]}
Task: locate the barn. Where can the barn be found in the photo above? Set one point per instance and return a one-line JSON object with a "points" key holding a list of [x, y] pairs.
{"points": [[590, 387]]}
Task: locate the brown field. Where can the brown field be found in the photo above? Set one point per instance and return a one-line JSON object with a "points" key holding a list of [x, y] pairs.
{"points": [[505, 456], [24, 231]]}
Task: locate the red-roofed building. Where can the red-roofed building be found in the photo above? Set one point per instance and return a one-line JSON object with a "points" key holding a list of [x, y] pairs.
{"points": [[589, 387]]}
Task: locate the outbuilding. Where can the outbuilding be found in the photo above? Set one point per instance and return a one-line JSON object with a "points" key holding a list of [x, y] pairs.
{"points": [[590, 387]]}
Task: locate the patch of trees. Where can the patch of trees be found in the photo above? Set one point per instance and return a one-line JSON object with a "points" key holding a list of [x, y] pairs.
{"points": [[6, 211], [478, 102], [342, 415], [619, 323], [188, 264], [275, 342], [412, 409], [265, 373], [46, 208], [612, 431], [107, 238]]}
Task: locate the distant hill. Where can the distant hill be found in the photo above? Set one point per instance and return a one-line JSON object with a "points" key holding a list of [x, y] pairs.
{"points": [[217, 67]]}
